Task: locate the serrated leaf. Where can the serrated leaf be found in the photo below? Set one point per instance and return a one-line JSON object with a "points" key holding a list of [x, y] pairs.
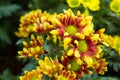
{"points": [[30, 66], [7, 10], [115, 65]]}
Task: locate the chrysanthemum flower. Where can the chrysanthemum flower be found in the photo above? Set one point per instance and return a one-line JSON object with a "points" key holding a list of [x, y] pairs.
{"points": [[32, 49], [91, 4], [115, 6], [84, 49], [65, 75], [27, 23], [73, 25], [33, 75], [36, 21], [49, 67], [76, 65], [104, 38]]}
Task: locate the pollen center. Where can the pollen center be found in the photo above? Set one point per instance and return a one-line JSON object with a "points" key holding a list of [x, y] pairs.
{"points": [[74, 2], [71, 29], [74, 65], [82, 46]]}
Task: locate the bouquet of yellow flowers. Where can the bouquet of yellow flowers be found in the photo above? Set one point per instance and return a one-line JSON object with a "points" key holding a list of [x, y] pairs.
{"points": [[65, 45]]}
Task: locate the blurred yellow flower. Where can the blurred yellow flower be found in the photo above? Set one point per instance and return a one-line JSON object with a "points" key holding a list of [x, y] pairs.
{"points": [[116, 44], [73, 3], [115, 6], [91, 4]]}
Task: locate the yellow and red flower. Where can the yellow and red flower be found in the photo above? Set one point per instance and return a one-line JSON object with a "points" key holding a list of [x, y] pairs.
{"points": [[33, 75], [32, 49], [100, 66], [73, 25], [36, 21], [76, 65], [65, 75]]}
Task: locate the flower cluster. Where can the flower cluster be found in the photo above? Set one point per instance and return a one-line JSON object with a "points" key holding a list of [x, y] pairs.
{"points": [[75, 47], [94, 5]]}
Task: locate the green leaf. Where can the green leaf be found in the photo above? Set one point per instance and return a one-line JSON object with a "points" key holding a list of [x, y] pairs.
{"points": [[7, 10], [19, 41], [30, 66], [115, 65], [108, 78]]}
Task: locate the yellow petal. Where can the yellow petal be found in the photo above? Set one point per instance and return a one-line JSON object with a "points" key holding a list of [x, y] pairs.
{"points": [[77, 54], [70, 52]]}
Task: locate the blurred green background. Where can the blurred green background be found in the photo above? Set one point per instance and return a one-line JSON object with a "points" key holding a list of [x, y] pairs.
{"points": [[11, 11]]}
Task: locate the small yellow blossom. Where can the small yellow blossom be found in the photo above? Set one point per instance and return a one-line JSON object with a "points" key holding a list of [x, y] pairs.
{"points": [[34, 49], [49, 66]]}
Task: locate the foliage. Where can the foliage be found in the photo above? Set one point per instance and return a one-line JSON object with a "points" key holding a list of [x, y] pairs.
{"points": [[6, 11], [6, 75]]}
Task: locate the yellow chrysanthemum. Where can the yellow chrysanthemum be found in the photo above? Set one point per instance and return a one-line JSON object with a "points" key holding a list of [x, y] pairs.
{"points": [[91, 4], [32, 49], [49, 67], [105, 38], [73, 3], [115, 6], [33, 75]]}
